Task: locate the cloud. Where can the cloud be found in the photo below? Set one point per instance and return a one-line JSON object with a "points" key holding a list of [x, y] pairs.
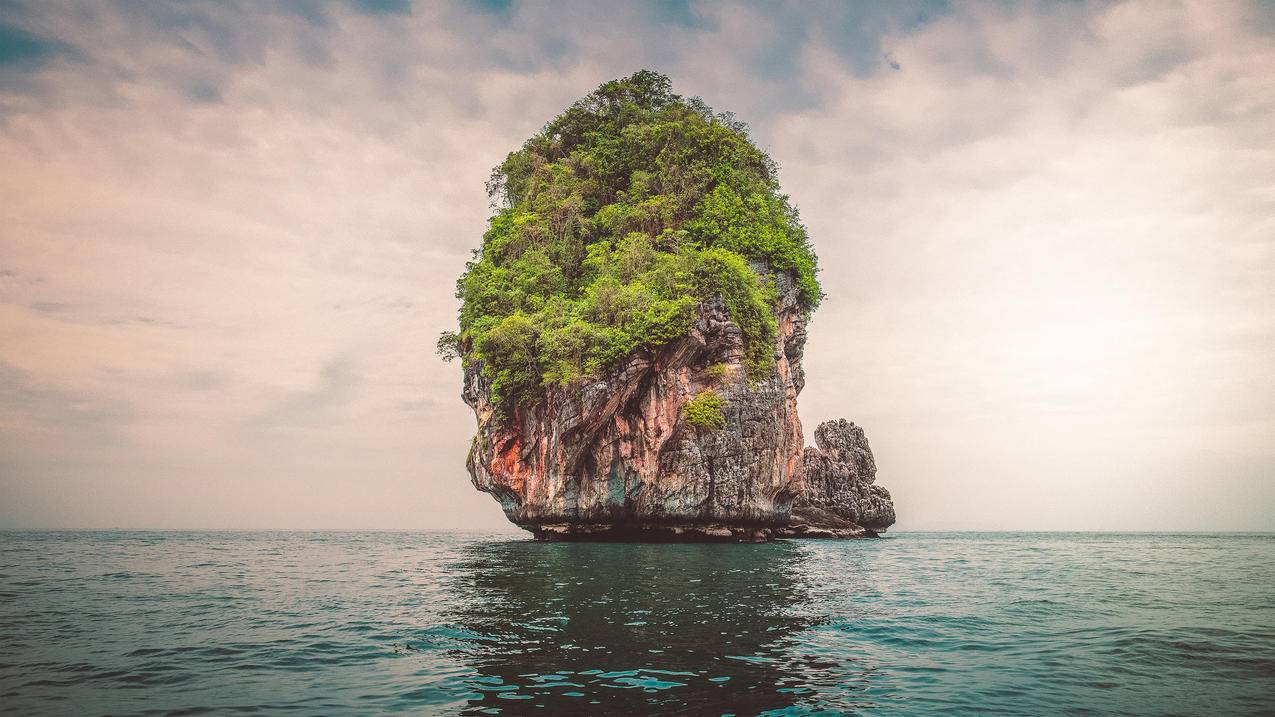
{"points": [[32, 408], [397, 7], [49, 307], [21, 48], [1045, 230], [231, 234], [333, 391]]}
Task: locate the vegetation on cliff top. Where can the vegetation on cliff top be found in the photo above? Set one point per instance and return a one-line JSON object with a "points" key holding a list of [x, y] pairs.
{"points": [[613, 223]]}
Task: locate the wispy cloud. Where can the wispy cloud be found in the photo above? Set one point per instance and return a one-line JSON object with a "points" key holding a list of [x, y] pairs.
{"points": [[333, 390]]}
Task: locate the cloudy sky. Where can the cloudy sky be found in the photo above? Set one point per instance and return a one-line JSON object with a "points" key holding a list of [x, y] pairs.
{"points": [[229, 236]]}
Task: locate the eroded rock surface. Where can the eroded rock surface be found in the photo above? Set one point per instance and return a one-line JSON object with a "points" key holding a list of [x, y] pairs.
{"points": [[615, 458], [838, 497]]}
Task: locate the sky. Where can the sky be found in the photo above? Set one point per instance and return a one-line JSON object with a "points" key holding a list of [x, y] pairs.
{"points": [[230, 233]]}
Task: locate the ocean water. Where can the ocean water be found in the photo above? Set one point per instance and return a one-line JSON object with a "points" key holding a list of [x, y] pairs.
{"points": [[441, 623]]}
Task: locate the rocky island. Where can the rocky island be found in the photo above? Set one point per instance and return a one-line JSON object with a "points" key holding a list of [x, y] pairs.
{"points": [[631, 335]]}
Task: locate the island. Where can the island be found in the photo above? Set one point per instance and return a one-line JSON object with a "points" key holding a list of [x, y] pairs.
{"points": [[631, 336]]}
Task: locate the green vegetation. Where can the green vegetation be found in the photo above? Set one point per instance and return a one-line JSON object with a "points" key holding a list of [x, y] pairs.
{"points": [[613, 223], [705, 410]]}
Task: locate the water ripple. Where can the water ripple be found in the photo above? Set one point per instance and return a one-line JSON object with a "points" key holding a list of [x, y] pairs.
{"points": [[433, 623]]}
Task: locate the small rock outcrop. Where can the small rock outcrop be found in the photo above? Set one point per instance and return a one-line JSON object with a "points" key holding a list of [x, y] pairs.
{"points": [[617, 457], [838, 497]]}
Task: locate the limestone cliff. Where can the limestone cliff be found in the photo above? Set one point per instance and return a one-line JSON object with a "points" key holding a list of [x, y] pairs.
{"points": [[615, 457], [631, 330]]}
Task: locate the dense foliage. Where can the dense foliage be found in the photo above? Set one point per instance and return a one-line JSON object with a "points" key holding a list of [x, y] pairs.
{"points": [[613, 223]]}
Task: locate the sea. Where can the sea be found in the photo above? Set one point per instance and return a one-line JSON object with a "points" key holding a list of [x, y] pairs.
{"points": [[336, 623]]}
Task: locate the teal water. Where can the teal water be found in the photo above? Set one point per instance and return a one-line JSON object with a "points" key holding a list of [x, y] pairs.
{"points": [[437, 623]]}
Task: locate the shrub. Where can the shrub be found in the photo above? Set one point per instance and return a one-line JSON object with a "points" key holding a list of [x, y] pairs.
{"points": [[705, 410]]}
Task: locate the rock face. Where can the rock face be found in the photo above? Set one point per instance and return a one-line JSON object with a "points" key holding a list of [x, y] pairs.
{"points": [[616, 458], [838, 499]]}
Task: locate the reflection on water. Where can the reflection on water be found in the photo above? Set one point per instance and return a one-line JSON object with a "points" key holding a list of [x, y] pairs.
{"points": [[678, 629], [435, 623]]}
